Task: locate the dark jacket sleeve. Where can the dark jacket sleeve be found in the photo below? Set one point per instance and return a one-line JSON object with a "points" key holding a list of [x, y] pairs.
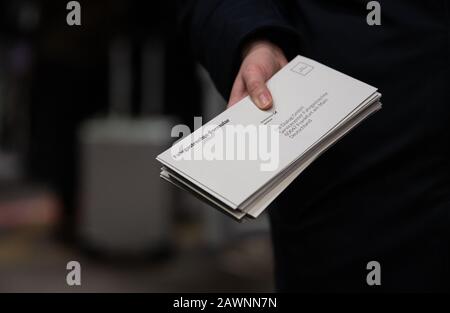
{"points": [[217, 29]]}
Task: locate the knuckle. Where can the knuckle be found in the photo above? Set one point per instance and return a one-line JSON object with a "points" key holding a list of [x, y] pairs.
{"points": [[252, 69], [254, 86]]}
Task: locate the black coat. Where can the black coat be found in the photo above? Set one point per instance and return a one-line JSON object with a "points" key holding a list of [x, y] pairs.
{"points": [[383, 192]]}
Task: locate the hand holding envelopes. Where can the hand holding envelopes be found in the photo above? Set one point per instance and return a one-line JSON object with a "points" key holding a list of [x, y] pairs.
{"points": [[223, 162]]}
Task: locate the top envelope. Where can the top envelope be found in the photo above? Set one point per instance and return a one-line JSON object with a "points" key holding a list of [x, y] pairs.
{"points": [[244, 148]]}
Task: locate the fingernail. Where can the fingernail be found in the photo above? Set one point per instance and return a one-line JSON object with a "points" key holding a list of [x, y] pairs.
{"points": [[264, 100]]}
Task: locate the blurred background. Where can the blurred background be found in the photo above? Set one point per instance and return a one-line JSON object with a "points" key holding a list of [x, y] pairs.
{"points": [[84, 110]]}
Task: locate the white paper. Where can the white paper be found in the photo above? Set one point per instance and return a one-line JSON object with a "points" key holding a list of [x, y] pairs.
{"points": [[331, 97]]}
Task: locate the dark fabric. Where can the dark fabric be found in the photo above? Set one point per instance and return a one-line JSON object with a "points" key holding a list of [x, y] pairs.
{"points": [[217, 29], [383, 192]]}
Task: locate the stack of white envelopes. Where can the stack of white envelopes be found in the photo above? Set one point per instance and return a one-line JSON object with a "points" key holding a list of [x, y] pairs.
{"points": [[241, 160]]}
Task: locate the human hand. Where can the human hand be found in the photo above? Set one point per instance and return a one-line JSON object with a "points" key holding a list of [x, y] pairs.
{"points": [[261, 60]]}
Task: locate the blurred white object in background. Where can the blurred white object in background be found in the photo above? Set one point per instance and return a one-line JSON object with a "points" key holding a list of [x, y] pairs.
{"points": [[125, 207]]}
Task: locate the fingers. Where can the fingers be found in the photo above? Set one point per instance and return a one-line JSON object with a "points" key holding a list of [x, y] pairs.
{"points": [[255, 84], [237, 92]]}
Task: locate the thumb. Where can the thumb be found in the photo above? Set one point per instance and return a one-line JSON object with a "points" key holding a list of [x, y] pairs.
{"points": [[255, 84]]}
